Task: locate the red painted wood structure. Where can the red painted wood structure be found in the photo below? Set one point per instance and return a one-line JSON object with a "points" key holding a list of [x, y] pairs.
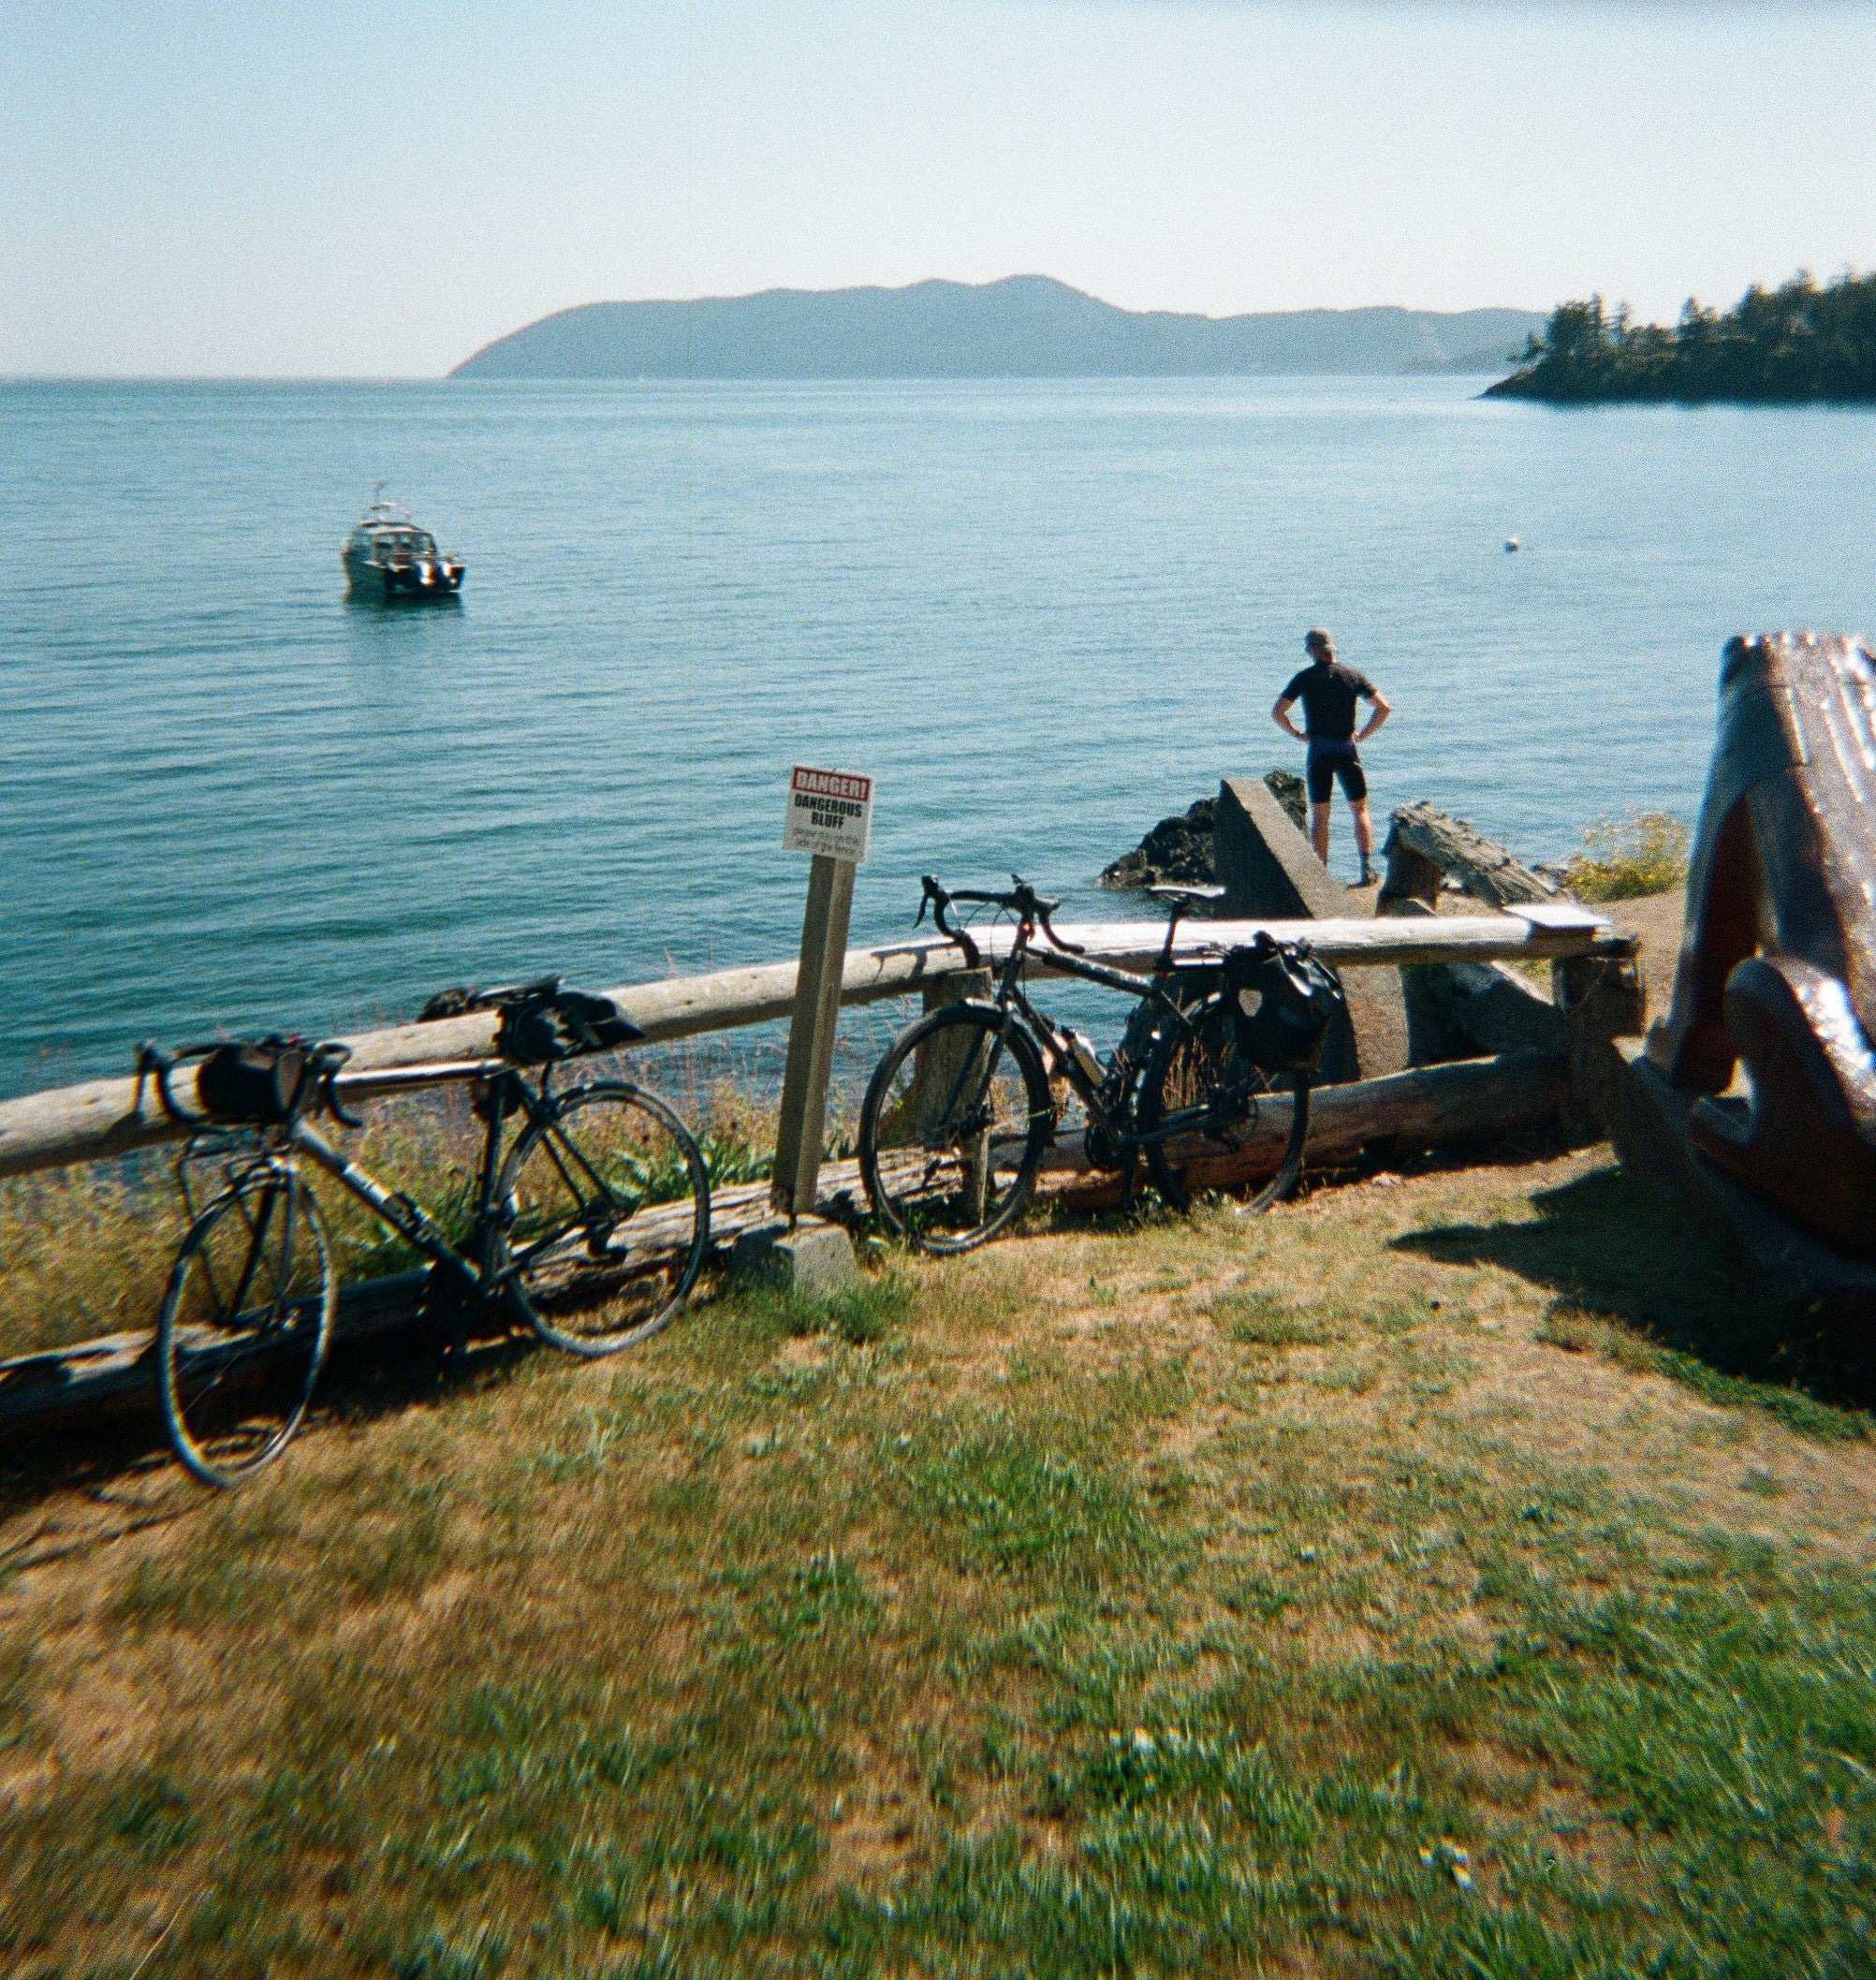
{"points": [[1777, 969]]}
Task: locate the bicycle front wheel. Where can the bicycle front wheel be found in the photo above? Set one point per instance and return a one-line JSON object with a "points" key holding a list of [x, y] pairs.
{"points": [[602, 1219], [1201, 1099], [953, 1126], [245, 1324]]}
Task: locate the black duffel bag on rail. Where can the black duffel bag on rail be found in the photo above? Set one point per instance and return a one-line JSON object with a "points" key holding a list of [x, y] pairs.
{"points": [[1285, 1001], [541, 1022]]}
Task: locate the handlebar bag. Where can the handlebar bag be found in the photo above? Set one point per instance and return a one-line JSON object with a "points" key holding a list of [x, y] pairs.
{"points": [[258, 1081], [1285, 1002]]}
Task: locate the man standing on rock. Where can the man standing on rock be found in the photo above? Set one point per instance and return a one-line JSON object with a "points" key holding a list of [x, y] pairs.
{"points": [[1329, 692]]}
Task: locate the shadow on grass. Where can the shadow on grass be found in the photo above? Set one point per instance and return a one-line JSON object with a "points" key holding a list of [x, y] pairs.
{"points": [[361, 1382], [1637, 1281]]}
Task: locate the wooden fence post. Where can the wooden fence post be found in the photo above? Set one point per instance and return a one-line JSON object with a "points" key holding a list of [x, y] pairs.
{"points": [[829, 816], [941, 1062], [811, 1037]]}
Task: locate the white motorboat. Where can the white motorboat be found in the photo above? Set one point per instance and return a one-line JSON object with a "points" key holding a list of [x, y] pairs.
{"points": [[388, 557]]}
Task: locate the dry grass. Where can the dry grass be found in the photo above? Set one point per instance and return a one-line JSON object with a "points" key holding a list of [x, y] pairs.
{"points": [[1434, 1577], [1626, 858]]}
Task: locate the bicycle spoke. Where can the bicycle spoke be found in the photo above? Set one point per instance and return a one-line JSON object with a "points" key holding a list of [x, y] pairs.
{"points": [[236, 1372], [556, 1253], [1200, 1098], [953, 1125]]}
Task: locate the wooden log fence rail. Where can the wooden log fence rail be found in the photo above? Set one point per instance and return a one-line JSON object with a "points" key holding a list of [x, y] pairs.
{"points": [[110, 1117]]}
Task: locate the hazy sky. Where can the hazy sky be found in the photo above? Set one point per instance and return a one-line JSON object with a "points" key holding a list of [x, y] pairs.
{"points": [[311, 188]]}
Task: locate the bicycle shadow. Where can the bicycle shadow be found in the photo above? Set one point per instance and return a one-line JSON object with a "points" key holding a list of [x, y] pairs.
{"points": [[1603, 1243], [67, 1492]]}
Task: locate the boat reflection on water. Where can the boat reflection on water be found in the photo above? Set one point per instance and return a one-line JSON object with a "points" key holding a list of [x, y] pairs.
{"points": [[388, 559]]}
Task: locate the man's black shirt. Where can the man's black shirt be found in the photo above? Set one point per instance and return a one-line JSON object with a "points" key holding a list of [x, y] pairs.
{"points": [[1328, 691]]}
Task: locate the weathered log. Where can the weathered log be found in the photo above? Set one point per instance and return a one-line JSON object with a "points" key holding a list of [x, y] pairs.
{"points": [[1460, 1011], [114, 1379], [109, 1117], [1457, 1010], [1425, 847], [1472, 1100]]}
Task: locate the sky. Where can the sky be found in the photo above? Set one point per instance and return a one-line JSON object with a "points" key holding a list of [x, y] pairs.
{"points": [[206, 188]]}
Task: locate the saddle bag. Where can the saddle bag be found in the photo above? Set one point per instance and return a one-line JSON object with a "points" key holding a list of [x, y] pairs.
{"points": [[1285, 1002], [258, 1082]]}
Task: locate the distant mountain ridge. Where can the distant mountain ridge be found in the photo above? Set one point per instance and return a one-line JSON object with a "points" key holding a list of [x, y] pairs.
{"points": [[1021, 327]]}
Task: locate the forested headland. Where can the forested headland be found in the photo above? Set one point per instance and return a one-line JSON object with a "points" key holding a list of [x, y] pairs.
{"points": [[1781, 347]]}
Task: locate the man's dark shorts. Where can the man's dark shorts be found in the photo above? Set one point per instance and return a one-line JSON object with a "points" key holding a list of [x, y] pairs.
{"points": [[1330, 760]]}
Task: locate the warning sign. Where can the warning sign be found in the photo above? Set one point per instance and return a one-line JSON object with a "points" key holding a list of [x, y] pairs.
{"points": [[829, 812]]}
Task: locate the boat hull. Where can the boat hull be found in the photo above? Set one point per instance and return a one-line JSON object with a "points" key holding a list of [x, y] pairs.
{"points": [[428, 580]]}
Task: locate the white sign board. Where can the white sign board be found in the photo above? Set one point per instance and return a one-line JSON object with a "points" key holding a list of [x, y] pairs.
{"points": [[829, 812]]}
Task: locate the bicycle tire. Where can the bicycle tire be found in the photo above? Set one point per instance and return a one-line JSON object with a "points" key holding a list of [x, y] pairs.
{"points": [[1199, 1054], [924, 1179], [234, 1376], [595, 1159]]}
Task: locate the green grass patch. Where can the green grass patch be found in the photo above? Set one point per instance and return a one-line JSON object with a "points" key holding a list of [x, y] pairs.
{"points": [[936, 1631], [1253, 1317], [1569, 1327]]}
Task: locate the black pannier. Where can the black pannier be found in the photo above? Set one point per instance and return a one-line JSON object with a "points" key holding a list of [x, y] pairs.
{"points": [[541, 1031], [541, 1022], [1285, 1002], [260, 1082]]}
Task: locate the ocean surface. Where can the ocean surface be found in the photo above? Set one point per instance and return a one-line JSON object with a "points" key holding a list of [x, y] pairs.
{"points": [[1042, 614]]}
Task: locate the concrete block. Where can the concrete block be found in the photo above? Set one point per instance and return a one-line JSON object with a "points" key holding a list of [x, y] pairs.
{"points": [[813, 1260], [1267, 869], [1269, 872]]}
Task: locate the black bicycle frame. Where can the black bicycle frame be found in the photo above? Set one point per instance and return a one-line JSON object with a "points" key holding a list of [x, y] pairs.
{"points": [[508, 1092], [1009, 993]]}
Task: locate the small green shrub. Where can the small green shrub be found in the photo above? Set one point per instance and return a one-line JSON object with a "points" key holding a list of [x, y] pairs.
{"points": [[1621, 859], [860, 1315], [1258, 1318]]}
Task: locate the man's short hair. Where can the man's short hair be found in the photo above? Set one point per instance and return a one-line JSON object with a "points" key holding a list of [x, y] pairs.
{"points": [[1317, 641]]}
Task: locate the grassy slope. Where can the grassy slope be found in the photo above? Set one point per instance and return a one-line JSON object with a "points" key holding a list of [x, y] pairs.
{"points": [[1363, 1588]]}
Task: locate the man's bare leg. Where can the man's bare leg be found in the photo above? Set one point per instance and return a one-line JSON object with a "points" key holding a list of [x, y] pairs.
{"points": [[1364, 834], [1319, 830]]}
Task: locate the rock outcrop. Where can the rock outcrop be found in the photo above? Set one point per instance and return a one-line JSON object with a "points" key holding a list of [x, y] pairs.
{"points": [[1176, 849], [1179, 848]]}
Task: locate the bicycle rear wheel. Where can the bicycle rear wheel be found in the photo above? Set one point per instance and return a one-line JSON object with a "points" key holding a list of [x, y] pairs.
{"points": [[602, 1219], [1197, 1072], [245, 1324], [953, 1126]]}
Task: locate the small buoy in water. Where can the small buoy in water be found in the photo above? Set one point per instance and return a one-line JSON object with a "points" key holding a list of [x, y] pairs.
{"points": [[1511, 543]]}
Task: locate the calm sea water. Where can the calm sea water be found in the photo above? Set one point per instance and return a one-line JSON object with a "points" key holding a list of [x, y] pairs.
{"points": [[1042, 614]]}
